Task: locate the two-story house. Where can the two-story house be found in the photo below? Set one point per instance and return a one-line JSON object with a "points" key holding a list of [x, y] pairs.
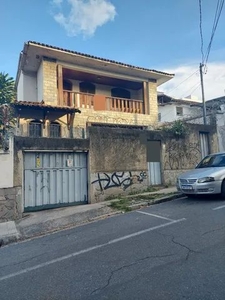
{"points": [[104, 91]]}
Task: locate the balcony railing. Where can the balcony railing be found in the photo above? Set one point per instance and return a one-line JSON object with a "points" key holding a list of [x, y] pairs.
{"points": [[101, 102]]}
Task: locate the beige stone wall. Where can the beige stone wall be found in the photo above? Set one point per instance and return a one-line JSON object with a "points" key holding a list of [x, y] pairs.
{"points": [[113, 117], [50, 93], [153, 102]]}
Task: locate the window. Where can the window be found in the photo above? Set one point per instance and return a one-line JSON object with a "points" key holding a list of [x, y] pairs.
{"points": [[179, 111], [120, 93], [35, 128], [67, 85], [54, 130], [87, 87]]}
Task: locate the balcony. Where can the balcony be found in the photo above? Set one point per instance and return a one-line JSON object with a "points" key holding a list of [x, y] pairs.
{"points": [[102, 102]]}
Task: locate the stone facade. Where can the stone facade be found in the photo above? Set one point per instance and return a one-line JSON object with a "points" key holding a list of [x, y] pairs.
{"points": [[50, 93], [153, 102], [10, 204], [50, 96]]}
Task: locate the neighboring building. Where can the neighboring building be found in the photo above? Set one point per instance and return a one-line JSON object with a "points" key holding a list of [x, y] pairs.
{"points": [[216, 108], [103, 90], [171, 109]]}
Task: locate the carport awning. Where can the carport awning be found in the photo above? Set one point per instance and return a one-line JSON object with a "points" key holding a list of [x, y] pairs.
{"points": [[41, 111]]}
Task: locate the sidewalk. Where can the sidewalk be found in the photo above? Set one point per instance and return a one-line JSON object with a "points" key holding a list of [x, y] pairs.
{"points": [[48, 221]]}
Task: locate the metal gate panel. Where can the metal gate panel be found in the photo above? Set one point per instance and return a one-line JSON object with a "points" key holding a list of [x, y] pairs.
{"points": [[204, 142], [154, 170], [54, 179]]}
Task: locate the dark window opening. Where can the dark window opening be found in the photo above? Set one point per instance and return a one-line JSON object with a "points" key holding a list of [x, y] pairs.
{"points": [[67, 85], [35, 128], [54, 130], [120, 93], [87, 87]]}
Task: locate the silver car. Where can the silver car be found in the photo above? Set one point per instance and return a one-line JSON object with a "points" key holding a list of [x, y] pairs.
{"points": [[207, 178]]}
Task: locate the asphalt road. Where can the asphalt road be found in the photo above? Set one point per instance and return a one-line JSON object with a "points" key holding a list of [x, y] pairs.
{"points": [[174, 250]]}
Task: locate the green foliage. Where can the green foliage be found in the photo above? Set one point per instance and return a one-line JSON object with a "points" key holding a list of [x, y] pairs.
{"points": [[7, 89], [177, 129], [7, 96]]}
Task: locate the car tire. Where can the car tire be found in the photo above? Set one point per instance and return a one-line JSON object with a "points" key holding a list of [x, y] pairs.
{"points": [[190, 196], [223, 189]]}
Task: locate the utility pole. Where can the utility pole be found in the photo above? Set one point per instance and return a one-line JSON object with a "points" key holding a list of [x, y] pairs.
{"points": [[203, 94]]}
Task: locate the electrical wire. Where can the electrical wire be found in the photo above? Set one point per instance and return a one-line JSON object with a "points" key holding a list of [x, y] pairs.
{"points": [[219, 9], [192, 89], [173, 89]]}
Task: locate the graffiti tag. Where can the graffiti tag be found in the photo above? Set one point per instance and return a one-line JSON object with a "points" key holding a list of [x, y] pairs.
{"points": [[118, 179]]}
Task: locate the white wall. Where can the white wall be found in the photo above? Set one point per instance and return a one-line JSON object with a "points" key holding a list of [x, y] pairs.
{"points": [[20, 88], [106, 90], [6, 167], [27, 87], [30, 88], [168, 112], [40, 83]]}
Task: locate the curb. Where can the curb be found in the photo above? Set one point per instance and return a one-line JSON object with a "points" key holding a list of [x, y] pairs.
{"points": [[157, 201], [53, 226]]}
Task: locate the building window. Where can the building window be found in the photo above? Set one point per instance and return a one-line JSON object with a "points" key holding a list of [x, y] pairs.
{"points": [[120, 93], [54, 130], [35, 128], [67, 85], [87, 87], [179, 111]]}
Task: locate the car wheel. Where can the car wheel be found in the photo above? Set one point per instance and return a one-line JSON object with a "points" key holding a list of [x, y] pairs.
{"points": [[223, 189]]}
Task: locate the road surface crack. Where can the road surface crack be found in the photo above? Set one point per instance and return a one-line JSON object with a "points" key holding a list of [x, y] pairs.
{"points": [[210, 231], [184, 246], [128, 266]]}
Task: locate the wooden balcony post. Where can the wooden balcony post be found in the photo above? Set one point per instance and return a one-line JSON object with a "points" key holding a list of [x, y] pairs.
{"points": [[60, 86], [146, 98]]}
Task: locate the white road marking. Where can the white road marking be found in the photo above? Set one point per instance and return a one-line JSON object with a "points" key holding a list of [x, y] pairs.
{"points": [[153, 215], [114, 241], [219, 207]]}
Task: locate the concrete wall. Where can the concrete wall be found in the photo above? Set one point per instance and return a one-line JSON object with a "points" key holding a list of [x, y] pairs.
{"points": [[118, 162], [6, 166], [118, 158], [184, 154]]}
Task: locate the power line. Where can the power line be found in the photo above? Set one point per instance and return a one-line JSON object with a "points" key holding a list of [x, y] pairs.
{"points": [[219, 9], [183, 81], [191, 90]]}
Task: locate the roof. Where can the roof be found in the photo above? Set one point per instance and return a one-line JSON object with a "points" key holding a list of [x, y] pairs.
{"points": [[164, 99], [98, 58], [41, 105], [33, 53]]}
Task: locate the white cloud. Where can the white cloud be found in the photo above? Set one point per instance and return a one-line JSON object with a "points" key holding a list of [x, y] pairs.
{"points": [[214, 81], [85, 16], [57, 2]]}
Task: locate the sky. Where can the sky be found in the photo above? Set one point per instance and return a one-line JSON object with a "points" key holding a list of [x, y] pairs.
{"points": [[162, 35]]}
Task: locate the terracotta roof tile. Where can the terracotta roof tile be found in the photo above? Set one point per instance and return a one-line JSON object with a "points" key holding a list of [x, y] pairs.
{"points": [[42, 105]]}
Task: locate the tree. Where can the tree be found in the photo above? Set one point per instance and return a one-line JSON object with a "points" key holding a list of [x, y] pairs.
{"points": [[7, 96], [7, 89]]}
